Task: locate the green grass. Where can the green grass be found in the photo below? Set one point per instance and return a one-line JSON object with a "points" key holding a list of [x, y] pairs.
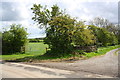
{"points": [[33, 49], [36, 48], [36, 58], [101, 51]]}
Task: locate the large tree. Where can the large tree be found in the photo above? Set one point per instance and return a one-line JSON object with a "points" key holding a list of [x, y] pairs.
{"points": [[59, 35], [59, 27]]}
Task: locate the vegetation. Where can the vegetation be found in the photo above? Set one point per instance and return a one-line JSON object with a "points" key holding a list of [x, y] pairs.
{"points": [[59, 35], [106, 24], [36, 40], [63, 34], [14, 40], [34, 56], [59, 31], [101, 51], [83, 36], [109, 38], [63, 31], [33, 49]]}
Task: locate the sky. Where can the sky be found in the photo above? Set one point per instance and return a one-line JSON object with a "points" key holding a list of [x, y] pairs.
{"points": [[19, 12]]}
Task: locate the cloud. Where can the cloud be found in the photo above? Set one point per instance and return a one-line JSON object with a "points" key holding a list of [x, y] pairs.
{"points": [[89, 10], [13, 11]]}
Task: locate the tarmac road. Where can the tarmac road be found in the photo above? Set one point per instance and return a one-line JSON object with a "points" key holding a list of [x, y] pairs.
{"points": [[98, 67], [106, 65], [18, 70]]}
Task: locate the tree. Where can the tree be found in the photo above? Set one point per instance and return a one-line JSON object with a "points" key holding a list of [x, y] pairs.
{"points": [[83, 36], [103, 36], [100, 22], [117, 32], [14, 39], [104, 23], [42, 15], [59, 27], [59, 35]]}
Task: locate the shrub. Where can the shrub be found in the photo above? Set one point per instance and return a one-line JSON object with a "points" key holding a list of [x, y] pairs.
{"points": [[14, 40]]}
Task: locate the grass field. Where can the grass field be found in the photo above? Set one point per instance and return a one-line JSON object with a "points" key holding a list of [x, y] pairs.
{"points": [[36, 48], [33, 49]]}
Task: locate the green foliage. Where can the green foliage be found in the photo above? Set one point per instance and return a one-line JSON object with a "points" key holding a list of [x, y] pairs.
{"points": [[64, 32], [103, 36], [118, 34], [60, 28], [101, 51], [14, 39], [83, 36], [33, 57], [32, 49], [59, 34], [42, 15], [36, 40]]}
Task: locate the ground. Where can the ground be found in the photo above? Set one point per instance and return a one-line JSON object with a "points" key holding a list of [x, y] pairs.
{"points": [[97, 67]]}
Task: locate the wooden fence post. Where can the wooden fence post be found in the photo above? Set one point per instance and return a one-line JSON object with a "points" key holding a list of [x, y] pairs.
{"points": [[46, 49]]}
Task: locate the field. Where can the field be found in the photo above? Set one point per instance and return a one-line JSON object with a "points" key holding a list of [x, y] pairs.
{"points": [[36, 48], [31, 50]]}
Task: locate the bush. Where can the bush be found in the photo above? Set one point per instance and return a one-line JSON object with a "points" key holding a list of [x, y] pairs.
{"points": [[103, 36], [14, 40]]}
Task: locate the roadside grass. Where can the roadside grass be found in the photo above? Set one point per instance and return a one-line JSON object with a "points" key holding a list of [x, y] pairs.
{"points": [[33, 49], [101, 51]]}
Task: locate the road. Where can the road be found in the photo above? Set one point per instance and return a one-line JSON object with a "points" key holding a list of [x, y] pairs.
{"points": [[103, 65], [17, 70], [98, 67]]}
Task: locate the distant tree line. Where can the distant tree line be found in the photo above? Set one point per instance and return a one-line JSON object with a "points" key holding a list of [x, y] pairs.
{"points": [[36, 40]]}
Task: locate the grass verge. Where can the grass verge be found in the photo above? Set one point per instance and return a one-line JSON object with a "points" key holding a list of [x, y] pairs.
{"points": [[101, 51]]}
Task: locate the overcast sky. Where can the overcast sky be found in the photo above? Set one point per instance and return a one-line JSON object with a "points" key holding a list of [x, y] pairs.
{"points": [[13, 11]]}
